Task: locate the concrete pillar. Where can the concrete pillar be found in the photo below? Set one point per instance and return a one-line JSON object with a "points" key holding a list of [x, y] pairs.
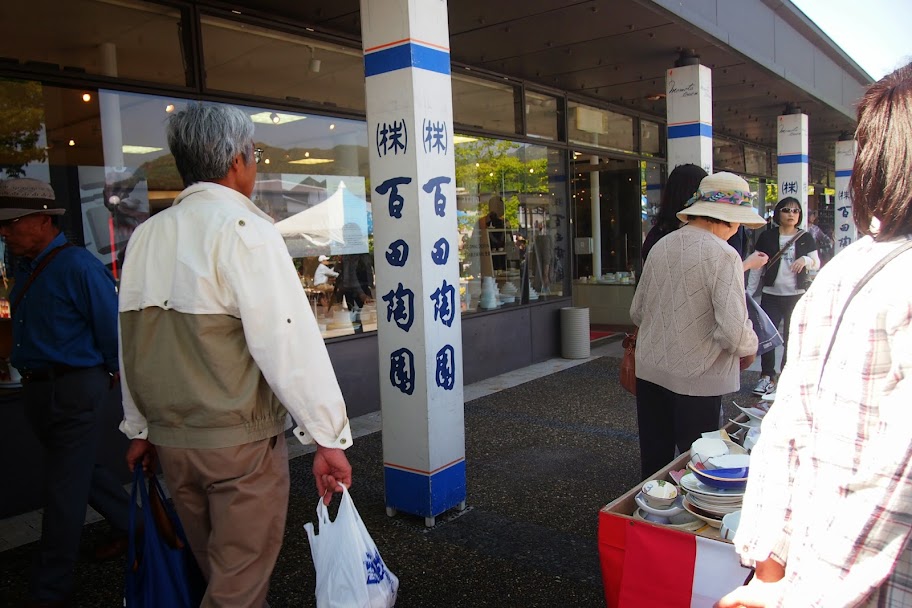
{"points": [[792, 172], [688, 102], [412, 169], [844, 230]]}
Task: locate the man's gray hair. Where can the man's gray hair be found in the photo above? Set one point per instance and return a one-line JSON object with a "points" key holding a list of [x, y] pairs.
{"points": [[204, 139]]}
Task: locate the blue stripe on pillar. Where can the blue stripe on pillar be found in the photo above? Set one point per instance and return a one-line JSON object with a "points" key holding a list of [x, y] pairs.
{"points": [[846, 173], [690, 130], [408, 55], [422, 494], [786, 159], [653, 186]]}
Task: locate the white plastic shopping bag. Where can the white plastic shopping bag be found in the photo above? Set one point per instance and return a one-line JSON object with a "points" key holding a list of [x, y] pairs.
{"points": [[350, 571]]}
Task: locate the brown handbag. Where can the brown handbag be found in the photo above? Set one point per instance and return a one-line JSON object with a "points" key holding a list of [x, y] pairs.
{"points": [[628, 363]]}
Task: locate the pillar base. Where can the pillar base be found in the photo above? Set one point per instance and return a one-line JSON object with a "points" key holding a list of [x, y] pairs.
{"points": [[422, 494]]}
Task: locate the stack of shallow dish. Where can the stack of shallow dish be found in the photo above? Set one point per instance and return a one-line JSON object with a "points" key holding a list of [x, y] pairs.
{"points": [[711, 502]]}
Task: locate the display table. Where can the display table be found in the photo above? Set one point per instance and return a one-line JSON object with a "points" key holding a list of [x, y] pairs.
{"points": [[647, 565], [608, 303]]}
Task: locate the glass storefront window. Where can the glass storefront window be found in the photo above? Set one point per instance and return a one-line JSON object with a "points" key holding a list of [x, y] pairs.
{"points": [[728, 156], [616, 187], [139, 40], [484, 104], [650, 138], [542, 116], [512, 217], [243, 58], [652, 178], [600, 128], [756, 161]]}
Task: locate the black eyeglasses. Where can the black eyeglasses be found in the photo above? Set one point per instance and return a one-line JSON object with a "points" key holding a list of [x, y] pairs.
{"points": [[258, 154], [790, 210]]}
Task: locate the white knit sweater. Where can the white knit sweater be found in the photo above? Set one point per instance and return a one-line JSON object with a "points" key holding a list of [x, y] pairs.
{"points": [[692, 315]]}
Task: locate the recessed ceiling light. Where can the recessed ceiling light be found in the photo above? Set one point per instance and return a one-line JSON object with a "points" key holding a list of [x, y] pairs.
{"points": [[311, 161], [269, 118], [86, 97], [128, 149], [72, 142]]}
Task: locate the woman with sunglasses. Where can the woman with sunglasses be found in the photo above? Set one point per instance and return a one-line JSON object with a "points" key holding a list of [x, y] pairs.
{"points": [[792, 253]]}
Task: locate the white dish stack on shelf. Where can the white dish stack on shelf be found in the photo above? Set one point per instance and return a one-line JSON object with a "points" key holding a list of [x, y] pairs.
{"points": [[508, 293], [490, 298]]}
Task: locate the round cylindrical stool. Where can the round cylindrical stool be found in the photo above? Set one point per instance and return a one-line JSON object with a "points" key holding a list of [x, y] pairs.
{"points": [[575, 333]]}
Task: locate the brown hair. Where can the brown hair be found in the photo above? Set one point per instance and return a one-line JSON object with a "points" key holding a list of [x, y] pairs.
{"points": [[881, 180]]}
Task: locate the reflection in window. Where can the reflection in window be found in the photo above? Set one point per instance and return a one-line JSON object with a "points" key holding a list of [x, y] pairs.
{"points": [[243, 58], [542, 116], [484, 104], [650, 138], [512, 222], [139, 40], [600, 128], [728, 156], [756, 161]]}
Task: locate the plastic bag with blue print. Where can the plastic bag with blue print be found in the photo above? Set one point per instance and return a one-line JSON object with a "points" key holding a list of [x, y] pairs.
{"points": [[350, 571]]}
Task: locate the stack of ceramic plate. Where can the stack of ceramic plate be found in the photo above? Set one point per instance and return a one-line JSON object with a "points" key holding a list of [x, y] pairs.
{"points": [[708, 503]]}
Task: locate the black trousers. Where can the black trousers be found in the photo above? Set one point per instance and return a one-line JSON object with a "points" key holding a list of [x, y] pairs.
{"points": [[779, 310], [668, 420], [64, 413]]}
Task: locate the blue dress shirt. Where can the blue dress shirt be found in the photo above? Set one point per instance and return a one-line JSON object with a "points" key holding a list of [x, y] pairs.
{"points": [[69, 314]]}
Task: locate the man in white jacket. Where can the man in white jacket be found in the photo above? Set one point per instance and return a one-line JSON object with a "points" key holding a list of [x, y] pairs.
{"points": [[218, 345]]}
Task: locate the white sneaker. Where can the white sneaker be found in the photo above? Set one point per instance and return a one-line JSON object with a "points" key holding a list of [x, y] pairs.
{"points": [[764, 387]]}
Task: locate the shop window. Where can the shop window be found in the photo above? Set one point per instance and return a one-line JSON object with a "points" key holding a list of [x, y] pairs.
{"points": [[652, 179], [484, 104], [138, 41], [542, 116], [265, 63], [756, 161], [512, 219], [609, 192], [728, 156], [108, 160], [650, 138], [600, 128]]}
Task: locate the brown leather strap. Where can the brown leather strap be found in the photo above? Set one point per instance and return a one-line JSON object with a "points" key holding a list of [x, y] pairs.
{"points": [[38, 269]]}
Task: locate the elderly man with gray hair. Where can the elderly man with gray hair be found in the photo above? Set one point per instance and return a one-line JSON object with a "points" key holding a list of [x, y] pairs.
{"points": [[218, 344]]}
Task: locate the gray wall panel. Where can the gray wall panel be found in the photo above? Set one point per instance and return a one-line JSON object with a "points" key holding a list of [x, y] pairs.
{"points": [[495, 343], [795, 51], [546, 339], [827, 78], [751, 28], [357, 369]]}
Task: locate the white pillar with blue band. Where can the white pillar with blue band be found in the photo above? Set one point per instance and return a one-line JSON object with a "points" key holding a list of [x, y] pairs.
{"points": [[688, 101], [792, 172], [413, 196], [844, 230]]}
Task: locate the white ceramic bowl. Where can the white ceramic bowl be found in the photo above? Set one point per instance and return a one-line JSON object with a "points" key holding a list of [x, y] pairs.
{"points": [[730, 525], [659, 494]]}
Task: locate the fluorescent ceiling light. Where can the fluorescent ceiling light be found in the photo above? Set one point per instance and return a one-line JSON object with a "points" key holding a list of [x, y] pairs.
{"points": [[128, 149], [463, 139], [310, 161], [268, 118]]}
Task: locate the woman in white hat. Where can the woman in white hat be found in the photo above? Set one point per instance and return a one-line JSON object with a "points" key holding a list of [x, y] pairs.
{"points": [[694, 335]]}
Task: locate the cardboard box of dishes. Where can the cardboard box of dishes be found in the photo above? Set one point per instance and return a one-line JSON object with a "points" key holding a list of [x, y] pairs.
{"points": [[667, 542]]}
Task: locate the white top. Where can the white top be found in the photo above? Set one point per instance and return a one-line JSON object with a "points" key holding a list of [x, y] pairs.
{"points": [[220, 254], [323, 273], [786, 283]]}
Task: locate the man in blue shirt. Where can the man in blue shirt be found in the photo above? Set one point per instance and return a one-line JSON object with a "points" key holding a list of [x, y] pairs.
{"points": [[64, 318]]}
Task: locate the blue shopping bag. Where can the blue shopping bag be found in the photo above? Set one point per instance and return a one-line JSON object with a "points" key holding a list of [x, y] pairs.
{"points": [[161, 569], [768, 336]]}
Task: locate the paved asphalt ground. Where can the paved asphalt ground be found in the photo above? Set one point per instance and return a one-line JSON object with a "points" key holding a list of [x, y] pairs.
{"points": [[542, 459]]}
